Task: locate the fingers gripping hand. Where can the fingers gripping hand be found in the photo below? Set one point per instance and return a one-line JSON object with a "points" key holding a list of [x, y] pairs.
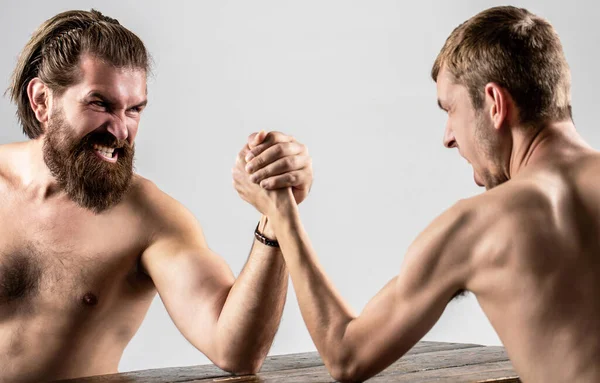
{"points": [[248, 190], [265, 201], [277, 161]]}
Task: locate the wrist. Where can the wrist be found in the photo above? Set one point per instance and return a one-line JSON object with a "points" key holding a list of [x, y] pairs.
{"points": [[284, 217], [266, 228], [284, 205]]}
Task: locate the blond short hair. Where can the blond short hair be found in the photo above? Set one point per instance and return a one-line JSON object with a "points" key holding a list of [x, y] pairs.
{"points": [[517, 50]]}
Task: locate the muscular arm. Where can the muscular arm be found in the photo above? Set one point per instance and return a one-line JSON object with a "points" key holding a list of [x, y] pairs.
{"points": [[353, 347], [232, 321]]}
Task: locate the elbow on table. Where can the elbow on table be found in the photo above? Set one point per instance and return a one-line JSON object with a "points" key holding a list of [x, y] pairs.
{"points": [[345, 374], [240, 366], [346, 370]]}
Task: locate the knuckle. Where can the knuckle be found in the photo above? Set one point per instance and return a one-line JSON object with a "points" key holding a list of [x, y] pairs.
{"points": [[301, 161], [308, 163], [261, 174], [259, 160], [291, 162], [266, 172], [259, 149], [289, 146], [279, 150]]}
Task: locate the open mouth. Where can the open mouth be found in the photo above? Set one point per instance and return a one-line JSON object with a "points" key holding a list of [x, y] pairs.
{"points": [[107, 153]]}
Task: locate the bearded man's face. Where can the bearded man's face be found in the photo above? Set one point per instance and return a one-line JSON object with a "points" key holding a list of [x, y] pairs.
{"points": [[94, 171], [88, 139]]}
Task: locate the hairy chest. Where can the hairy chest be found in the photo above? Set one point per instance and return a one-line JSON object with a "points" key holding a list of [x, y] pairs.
{"points": [[63, 259]]}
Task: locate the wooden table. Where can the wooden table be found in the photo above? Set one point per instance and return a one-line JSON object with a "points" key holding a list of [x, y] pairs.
{"points": [[426, 362]]}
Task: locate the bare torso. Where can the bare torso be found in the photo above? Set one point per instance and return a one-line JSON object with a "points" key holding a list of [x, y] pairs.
{"points": [[538, 278], [72, 295], [71, 292]]}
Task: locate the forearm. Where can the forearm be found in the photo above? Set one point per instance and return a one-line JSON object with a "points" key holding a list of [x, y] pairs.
{"points": [[325, 313], [252, 311]]}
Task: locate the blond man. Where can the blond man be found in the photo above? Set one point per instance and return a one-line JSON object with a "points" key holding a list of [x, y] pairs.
{"points": [[528, 248]]}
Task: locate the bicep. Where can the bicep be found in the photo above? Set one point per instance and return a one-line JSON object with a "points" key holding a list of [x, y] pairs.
{"points": [[393, 322], [411, 303], [192, 281]]}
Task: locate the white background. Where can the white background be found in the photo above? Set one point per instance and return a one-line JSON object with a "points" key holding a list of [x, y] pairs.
{"points": [[350, 79]]}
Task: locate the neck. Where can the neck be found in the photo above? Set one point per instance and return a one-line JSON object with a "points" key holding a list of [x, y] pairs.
{"points": [[544, 143], [35, 176]]}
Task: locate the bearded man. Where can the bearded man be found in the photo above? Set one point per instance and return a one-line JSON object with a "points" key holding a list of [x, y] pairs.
{"points": [[86, 243]]}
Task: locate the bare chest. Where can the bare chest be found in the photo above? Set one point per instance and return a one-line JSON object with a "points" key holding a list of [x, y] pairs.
{"points": [[67, 259]]}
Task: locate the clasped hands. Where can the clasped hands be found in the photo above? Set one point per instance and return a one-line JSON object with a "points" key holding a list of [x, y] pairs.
{"points": [[272, 171]]}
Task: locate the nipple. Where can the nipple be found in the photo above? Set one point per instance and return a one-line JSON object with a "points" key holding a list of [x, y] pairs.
{"points": [[89, 299]]}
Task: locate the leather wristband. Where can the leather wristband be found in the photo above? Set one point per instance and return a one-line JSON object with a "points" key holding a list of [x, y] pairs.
{"points": [[264, 240]]}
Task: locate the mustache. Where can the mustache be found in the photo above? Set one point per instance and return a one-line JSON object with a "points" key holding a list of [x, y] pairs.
{"points": [[103, 139]]}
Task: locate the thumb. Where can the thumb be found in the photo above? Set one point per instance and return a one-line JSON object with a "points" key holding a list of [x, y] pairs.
{"points": [[258, 139]]}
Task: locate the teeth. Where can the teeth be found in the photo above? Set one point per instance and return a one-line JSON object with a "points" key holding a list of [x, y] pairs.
{"points": [[106, 151]]}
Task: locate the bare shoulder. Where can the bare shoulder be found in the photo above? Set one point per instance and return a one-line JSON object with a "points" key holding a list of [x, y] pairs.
{"points": [[146, 195], [585, 176], [5, 168], [170, 227], [160, 212], [11, 156], [525, 207], [514, 219]]}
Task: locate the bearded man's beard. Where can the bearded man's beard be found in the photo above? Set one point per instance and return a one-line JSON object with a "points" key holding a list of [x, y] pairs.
{"points": [[88, 180]]}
